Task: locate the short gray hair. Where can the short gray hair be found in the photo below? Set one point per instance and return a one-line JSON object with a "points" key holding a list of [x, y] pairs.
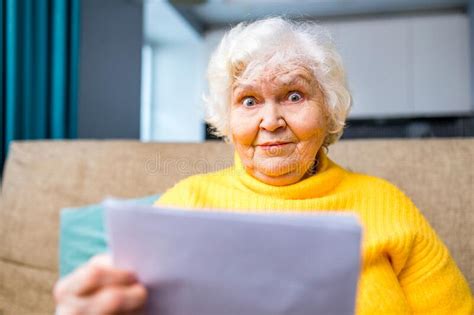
{"points": [[306, 42]]}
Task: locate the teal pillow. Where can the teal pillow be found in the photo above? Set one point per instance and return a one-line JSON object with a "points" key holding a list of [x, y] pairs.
{"points": [[82, 234]]}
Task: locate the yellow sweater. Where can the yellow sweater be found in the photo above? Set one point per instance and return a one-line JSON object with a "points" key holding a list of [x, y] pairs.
{"points": [[405, 267]]}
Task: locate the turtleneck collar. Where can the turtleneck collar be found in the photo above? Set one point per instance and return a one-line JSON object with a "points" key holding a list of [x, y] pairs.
{"points": [[326, 178]]}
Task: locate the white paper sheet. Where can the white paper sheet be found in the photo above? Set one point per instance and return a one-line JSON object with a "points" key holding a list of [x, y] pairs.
{"points": [[197, 262]]}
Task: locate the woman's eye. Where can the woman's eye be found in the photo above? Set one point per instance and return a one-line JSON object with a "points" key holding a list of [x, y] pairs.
{"points": [[295, 97], [249, 101]]}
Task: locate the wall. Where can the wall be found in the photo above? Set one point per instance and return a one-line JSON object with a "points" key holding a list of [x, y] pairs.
{"points": [[173, 77], [176, 93], [110, 68], [407, 66]]}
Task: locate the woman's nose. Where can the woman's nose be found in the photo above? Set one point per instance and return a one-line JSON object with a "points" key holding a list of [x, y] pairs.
{"points": [[271, 118]]}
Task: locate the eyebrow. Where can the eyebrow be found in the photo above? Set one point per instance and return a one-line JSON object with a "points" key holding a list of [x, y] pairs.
{"points": [[298, 78], [243, 86]]}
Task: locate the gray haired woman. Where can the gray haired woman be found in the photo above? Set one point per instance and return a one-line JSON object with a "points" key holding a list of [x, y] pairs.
{"points": [[277, 93]]}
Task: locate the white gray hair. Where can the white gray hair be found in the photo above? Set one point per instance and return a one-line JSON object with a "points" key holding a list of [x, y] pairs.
{"points": [[284, 41]]}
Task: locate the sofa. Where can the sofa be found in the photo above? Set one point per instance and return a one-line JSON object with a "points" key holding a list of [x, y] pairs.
{"points": [[42, 177]]}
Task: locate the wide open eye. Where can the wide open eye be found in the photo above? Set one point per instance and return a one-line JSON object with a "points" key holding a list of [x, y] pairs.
{"points": [[295, 97], [249, 101]]}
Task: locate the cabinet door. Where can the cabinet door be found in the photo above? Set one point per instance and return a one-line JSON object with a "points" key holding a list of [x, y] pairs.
{"points": [[376, 56], [441, 75]]}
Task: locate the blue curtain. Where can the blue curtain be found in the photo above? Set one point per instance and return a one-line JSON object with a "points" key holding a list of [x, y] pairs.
{"points": [[39, 55]]}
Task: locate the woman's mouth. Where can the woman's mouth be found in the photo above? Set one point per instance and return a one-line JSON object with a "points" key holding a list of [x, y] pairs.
{"points": [[273, 145]]}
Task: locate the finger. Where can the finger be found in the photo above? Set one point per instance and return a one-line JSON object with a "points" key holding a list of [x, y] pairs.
{"points": [[73, 305], [102, 260], [117, 299], [112, 300], [91, 277]]}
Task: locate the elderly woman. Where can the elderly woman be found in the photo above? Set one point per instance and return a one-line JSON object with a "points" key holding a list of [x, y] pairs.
{"points": [[277, 92]]}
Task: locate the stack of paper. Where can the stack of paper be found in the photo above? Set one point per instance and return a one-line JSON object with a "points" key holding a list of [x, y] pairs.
{"points": [[198, 262]]}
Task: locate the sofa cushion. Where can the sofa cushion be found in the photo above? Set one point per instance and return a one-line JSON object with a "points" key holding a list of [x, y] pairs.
{"points": [[82, 234], [25, 289]]}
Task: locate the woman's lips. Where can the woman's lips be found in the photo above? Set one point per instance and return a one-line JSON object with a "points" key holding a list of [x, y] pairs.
{"points": [[272, 146]]}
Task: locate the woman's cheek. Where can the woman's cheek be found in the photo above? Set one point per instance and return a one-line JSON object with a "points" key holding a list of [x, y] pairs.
{"points": [[244, 128], [308, 124]]}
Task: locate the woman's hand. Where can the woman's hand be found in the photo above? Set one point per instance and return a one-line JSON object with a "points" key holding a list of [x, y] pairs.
{"points": [[99, 288]]}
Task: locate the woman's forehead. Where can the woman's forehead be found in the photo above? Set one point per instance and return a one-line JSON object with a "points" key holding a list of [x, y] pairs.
{"points": [[286, 75]]}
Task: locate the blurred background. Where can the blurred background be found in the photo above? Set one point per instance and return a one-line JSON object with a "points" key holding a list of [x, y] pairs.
{"points": [[136, 69]]}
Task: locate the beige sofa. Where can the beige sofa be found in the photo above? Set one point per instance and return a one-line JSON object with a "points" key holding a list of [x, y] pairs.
{"points": [[42, 177]]}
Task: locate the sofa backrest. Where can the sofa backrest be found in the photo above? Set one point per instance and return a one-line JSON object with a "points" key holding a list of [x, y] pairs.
{"points": [[42, 177]]}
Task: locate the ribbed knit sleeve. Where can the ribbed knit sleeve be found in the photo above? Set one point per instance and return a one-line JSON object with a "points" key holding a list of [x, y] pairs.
{"points": [[430, 279], [176, 196]]}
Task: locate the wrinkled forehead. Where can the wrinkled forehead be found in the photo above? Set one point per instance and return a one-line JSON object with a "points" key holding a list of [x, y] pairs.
{"points": [[274, 73]]}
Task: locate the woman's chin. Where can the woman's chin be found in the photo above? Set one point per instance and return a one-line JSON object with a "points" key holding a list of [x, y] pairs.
{"points": [[277, 179]]}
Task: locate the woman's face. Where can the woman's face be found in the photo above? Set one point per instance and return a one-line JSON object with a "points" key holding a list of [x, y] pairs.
{"points": [[278, 123]]}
